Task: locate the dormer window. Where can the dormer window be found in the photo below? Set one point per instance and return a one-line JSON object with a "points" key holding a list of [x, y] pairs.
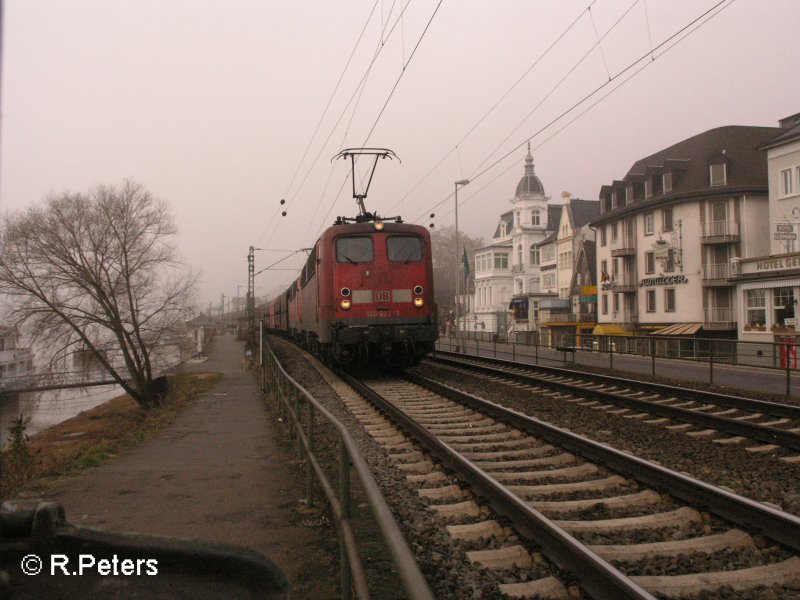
{"points": [[503, 228], [717, 169], [648, 188], [717, 174], [614, 200], [629, 194], [666, 182]]}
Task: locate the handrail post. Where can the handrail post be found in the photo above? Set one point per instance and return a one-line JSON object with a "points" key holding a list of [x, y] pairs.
{"points": [[653, 355], [711, 361], [611, 353], [345, 577], [298, 424], [309, 454]]}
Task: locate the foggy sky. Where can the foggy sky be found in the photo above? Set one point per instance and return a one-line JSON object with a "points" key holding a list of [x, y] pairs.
{"points": [[212, 104]]}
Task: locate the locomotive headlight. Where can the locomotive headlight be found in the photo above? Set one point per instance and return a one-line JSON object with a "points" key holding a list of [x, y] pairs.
{"points": [[345, 292], [378, 226], [419, 302], [418, 290], [345, 304]]}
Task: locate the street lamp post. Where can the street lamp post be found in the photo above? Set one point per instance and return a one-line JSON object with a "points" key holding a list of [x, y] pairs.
{"points": [[461, 182]]}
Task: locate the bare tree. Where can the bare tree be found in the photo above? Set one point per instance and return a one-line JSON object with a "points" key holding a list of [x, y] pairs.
{"points": [[97, 274]]}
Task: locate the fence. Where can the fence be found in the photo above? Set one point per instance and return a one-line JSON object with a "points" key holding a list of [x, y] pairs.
{"points": [[297, 404], [601, 350]]}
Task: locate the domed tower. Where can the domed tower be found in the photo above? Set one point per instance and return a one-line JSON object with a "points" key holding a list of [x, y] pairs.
{"points": [[530, 202], [530, 226], [530, 184]]}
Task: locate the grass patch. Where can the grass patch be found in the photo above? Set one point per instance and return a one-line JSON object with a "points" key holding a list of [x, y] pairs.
{"points": [[97, 435]]}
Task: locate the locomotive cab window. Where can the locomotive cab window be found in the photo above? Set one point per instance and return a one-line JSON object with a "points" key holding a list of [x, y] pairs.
{"points": [[354, 249], [405, 248]]}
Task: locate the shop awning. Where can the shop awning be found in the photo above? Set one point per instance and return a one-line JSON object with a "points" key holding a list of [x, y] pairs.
{"points": [[609, 329], [680, 329]]}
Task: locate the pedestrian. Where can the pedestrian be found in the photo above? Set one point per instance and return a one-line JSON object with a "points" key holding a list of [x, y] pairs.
{"points": [[247, 361]]}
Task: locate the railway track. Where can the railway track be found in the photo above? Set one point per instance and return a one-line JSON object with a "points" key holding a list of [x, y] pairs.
{"points": [[765, 427], [523, 489]]}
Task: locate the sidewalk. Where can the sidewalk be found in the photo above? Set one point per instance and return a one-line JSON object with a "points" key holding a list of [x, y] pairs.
{"points": [[218, 474], [739, 377]]}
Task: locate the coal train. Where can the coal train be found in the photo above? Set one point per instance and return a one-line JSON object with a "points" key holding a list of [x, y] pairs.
{"points": [[364, 296]]}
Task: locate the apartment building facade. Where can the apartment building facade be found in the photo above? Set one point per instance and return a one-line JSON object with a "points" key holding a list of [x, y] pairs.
{"points": [[768, 284], [669, 229]]}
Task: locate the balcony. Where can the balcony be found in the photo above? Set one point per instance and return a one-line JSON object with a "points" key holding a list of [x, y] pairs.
{"points": [[624, 282], [623, 246], [716, 275], [625, 317], [719, 318], [719, 232], [567, 318], [516, 269]]}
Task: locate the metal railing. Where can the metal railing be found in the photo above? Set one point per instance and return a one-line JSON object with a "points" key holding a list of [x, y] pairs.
{"points": [[299, 410], [623, 243], [567, 318], [720, 228], [719, 315], [672, 356], [720, 271], [624, 281]]}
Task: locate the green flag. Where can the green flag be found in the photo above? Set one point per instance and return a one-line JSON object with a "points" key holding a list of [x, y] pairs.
{"points": [[466, 264]]}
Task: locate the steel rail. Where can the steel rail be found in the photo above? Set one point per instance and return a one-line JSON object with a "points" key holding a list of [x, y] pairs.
{"points": [[597, 577], [775, 524], [753, 431], [773, 408]]}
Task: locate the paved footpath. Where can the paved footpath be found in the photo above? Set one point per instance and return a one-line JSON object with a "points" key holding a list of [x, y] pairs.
{"points": [[217, 474]]}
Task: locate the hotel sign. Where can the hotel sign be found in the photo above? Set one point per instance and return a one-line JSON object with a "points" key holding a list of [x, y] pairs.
{"points": [[779, 263], [663, 280]]}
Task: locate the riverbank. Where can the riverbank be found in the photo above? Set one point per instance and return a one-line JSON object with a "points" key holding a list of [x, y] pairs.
{"points": [[51, 457]]}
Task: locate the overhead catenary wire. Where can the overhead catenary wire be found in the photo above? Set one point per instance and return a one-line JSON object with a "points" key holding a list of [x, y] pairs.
{"points": [[558, 84], [386, 103], [310, 169], [330, 98], [700, 20], [505, 94]]}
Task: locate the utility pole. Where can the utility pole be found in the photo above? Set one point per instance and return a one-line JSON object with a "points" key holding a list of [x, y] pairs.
{"points": [[251, 301]]}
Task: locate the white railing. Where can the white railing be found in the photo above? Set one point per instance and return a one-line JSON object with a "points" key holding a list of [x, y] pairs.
{"points": [[720, 271], [719, 315], [623, 243], [717, 228]]}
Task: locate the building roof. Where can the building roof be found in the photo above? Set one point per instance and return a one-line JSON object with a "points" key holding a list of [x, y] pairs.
{"points": [[529, 184], [508, 218], [739, 147], [548, 240], [554, 216], [583, 211], [791, 132]]}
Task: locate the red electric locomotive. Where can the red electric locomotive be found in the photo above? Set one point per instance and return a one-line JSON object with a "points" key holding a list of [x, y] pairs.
{"points": [[365, 294]]}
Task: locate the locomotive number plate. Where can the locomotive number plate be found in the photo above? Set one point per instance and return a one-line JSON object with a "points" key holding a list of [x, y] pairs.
{"points": [[383, 296]]}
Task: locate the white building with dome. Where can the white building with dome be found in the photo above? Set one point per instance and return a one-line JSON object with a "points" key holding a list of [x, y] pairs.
{"points": [[510, 264]]}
